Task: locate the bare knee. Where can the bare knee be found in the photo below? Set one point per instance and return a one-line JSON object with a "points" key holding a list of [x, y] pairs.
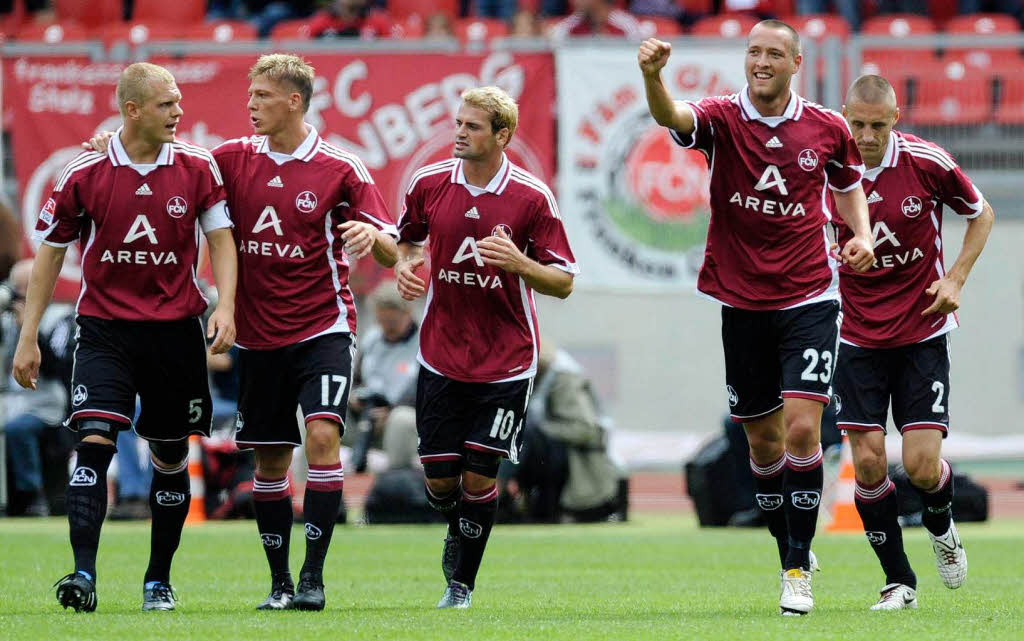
{"points": [[443, 486], [273, 461], [766, 438], [869, 460], [922, 468], [475, 483], [803, 434], [323, 442]]}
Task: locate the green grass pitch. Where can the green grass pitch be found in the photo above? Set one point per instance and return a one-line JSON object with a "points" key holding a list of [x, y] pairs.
{"points": [[657, 577]]}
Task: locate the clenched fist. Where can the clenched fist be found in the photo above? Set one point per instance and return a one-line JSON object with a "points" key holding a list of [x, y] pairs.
{"points": [[653, 55]]}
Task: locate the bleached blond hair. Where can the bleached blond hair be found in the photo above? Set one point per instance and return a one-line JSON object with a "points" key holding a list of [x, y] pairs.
{"points": [[136, 83], [503, 110], [286, 68]]}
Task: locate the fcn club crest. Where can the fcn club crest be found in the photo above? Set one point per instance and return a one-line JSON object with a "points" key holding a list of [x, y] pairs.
{"points": [[806, 500], [306, 202], [808, 160], [912, 206], [177, 206], [769, 502]]}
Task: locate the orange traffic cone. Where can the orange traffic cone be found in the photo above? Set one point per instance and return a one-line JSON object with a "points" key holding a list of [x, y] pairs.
{"points": [[197, 507], [844, 512]]}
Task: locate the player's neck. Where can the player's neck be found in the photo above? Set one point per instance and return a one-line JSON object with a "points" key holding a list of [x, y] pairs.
{"points": [[769, 108], [479, 173], [874, 162], [140, 151], [288, 139]]}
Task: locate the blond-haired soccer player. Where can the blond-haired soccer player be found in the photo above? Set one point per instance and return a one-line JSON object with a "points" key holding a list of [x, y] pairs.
{"points": [[137, 210], [895, 340], [495, 239]]}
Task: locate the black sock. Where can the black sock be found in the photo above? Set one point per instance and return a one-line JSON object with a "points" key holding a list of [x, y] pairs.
{"points": [[768, 493], [476, 517], [878, 507], [938, 502], [87, 503], [320, 511], [802, 481], [272, 501], [169, 499], [447, 505]]}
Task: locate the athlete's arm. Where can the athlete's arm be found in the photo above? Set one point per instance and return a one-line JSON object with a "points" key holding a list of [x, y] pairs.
{"points": [[669, 113], [45, 270], [859, 252], [946, 290], [500, 251], [221, 327], [410, 258], [363, 238]]}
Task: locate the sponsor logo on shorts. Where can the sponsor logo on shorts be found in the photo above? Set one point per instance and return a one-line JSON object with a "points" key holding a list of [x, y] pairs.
{"points": [[79, 396], [272, 541], [305, 202], [912, 206], [806, 500], [808, 160], [83, 477], [177, 206], [239, 421], [769, 502], [313, 532], [875, 538], [165, 497], [734, 398], [839, 402], [470, 529]]}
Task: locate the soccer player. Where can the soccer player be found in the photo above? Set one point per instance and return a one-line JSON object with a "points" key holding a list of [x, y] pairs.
{"points": [[495, 239], [895, 340], [300, 205], [137, 210], [774, 157]]}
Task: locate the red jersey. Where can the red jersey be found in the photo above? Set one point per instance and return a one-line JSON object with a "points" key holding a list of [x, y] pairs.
{"points": [[292, 272], [767, 245], [882, 306], [480, 322], [139, 226]]}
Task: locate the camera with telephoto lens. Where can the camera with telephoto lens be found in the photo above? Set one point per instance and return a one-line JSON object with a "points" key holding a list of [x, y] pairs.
{"points": [[364, 425]]}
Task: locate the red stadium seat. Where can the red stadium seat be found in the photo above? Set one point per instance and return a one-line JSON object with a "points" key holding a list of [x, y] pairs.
{"points": [[993, 61], [401, 9], [697, 7], [897, 25], [897, 69], [177, 11], [221, 31], [735, 26], [819, 26], [1010, 110], [983, 24], [950, 93], [136, 33], [660, 27], [479, 30], [89, 13], [52, 33], [291, 30]]}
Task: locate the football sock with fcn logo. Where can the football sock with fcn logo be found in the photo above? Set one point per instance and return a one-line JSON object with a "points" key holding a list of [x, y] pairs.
{"points": [[169, 498], [272, 502], [87, 503], [801, 484], [768, 494], [938, 502], [476, 518], [320, 511], [878, 507]]}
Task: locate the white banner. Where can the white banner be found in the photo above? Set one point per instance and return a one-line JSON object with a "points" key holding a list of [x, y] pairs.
{"points": [[634, 202]]}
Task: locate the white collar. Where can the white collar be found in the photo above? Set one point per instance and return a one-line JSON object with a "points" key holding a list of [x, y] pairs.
{"points": [[119, 157], [304, 152], [497, 184], [889, 159], [792, 112]]}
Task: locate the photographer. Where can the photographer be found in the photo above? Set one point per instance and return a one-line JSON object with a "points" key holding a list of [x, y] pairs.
{"points": [[29, 413], [384, 387]]}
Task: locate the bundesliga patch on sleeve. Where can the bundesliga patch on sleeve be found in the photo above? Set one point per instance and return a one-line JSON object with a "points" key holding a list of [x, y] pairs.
{"points": [[46, 215]]}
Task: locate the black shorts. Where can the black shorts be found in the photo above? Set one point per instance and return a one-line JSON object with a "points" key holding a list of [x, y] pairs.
{"points": [[915, 377], [452, 416], [772, 355], [163, 362], [314, 375]]}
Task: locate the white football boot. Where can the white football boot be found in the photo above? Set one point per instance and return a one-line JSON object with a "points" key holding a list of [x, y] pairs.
{"points": [[950, 557], [896, 596], [796, 599]]}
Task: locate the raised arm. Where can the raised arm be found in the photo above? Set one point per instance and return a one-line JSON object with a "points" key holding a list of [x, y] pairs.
{"points": [[667, 112]]}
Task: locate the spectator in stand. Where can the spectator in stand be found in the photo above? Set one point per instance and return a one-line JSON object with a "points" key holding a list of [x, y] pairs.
{"points": [[439, 27], [263, 14], [525, 24], [502, 9], [596, 18], [350, 19], [10, 238], [849, 9]]}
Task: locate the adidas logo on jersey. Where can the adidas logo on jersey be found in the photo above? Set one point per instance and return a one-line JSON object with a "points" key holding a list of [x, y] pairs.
{"points": [[275, 182], [773, 143], [144, 190], [473, 213], [874, 198]]}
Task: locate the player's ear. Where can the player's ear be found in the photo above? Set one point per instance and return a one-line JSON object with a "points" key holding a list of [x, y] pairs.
{"points": [[896, 117], [504, 137]]}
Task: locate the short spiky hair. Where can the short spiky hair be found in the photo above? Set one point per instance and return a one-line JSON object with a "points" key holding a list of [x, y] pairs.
{"points": [[135, 83], [503, 110], [283, 67], [871, 90], [794, 36]]}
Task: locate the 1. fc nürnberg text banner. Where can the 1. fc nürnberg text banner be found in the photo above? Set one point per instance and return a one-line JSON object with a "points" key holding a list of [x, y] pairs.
{"points": [[634, 202], [394, 110]]}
